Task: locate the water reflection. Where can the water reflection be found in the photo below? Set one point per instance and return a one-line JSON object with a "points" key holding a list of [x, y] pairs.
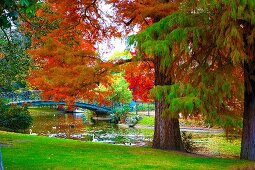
{"points": [[77, 126]]}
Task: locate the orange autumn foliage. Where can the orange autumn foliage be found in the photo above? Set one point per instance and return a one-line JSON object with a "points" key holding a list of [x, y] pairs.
{"points": [[67, 66], [66, 32], [140, 12]]}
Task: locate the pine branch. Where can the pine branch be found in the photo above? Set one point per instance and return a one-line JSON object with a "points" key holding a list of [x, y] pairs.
{"points": [[120, 62]]}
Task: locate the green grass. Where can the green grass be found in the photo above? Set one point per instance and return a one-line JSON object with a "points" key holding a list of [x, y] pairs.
{"points": [[216, 145], [226, 147], [147, 121], [42, 109], [209, 144], [146, 132], [223, 147], [39, 110], [33, 152]]}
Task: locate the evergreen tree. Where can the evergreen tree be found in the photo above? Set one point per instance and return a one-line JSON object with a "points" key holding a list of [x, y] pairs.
{"points": [[207, 50]]}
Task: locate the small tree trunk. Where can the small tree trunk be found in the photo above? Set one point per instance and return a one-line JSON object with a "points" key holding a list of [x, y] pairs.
{"points": [[167, 130], [248, 134], [1, 162]]}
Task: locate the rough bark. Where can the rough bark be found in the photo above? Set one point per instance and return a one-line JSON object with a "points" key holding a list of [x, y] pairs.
{"points": [[167, 130], [248, 136]]}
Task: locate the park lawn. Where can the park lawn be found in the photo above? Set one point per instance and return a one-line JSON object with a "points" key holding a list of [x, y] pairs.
{"points": [[216, 145], [36, 110], [150, 120], [147, 121], [37, 152]]}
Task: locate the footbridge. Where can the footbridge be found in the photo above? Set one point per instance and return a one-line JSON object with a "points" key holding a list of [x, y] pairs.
{"points": [[33, 98]]}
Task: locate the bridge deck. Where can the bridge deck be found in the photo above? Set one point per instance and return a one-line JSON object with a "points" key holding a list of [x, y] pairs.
{"points": [[33, 97]]}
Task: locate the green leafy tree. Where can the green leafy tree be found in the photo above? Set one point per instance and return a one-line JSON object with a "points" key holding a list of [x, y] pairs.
{"points": [[207, 50], [120, 96], [12, 12], [121, 92], [140, 14], [14, 61]]}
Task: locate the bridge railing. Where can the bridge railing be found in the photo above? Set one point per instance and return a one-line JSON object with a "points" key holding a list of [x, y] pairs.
{"points": [[35, 97]]}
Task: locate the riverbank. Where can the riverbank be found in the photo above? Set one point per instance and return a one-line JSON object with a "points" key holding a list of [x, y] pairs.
{"points": [[205, 141], [36, 152]]}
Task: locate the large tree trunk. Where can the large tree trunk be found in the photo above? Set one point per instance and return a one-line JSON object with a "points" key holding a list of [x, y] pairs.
{"points": [[167, 130], [248, 136]]}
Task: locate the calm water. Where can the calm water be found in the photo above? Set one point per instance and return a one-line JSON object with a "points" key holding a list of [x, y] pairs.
{"points": [[77, 126]]}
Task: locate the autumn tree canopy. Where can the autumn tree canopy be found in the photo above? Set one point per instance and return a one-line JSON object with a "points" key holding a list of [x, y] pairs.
{"points": [[67, 65]]}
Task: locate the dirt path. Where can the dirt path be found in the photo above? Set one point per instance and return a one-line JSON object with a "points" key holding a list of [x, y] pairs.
{"points": [[186, 129], [182, 128], [145, 113]]}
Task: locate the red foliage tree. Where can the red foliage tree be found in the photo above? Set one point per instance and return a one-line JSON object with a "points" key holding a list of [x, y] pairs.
{"points": [[141, 80], [67, 66]]}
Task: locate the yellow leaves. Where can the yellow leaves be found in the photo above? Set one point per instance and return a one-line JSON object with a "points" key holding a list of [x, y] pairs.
{"points": [[120, 55]]}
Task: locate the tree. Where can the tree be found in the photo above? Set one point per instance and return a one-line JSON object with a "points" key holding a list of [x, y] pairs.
{"points": [[120, 97], [230, 42], [211, 45], [142, 13], [14, 61], [120, 92], [139, 74], [67, 66], [12, 12], [69, 74]]}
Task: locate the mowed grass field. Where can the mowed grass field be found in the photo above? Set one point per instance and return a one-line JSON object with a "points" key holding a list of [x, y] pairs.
{"points": [[26, 152]]}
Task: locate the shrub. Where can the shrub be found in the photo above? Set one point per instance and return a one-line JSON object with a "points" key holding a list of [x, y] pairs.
{"points": [[133, 119], [121, 111], [188, 142], [14, 118]]}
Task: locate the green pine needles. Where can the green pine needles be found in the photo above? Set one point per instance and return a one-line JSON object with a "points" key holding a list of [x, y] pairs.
{"points": [[180, 98], [202, 48]]}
